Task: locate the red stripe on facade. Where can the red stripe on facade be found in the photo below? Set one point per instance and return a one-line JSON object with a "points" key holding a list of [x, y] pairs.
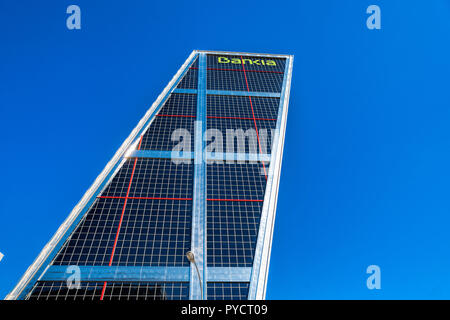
{"points": [[253, 113], [103, 291], [121, 219]]}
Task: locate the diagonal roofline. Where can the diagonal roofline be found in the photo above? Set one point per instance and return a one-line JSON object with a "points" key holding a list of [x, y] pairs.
{"points": [[246, 54]]}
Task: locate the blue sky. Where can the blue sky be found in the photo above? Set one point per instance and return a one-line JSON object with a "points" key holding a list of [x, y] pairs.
{"points": [[365, 176]]}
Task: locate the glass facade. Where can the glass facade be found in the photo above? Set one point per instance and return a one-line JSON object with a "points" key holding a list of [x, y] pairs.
{"points": [[200, 173]]}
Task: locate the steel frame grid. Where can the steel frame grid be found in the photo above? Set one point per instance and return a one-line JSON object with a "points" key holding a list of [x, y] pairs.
{"points": [[198, 288], [217, 274]]}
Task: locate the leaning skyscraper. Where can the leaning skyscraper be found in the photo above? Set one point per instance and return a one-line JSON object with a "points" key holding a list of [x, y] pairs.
{"points": [[199, 173]]}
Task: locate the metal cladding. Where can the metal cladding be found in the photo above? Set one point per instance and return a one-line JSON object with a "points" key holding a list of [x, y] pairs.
{"points": [[199, 174]]}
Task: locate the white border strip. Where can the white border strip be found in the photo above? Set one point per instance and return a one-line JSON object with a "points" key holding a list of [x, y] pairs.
{"points": [[272, 201]]}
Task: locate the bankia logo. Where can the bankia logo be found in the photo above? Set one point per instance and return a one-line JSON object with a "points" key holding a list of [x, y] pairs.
{"points": [[258, 62]]}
